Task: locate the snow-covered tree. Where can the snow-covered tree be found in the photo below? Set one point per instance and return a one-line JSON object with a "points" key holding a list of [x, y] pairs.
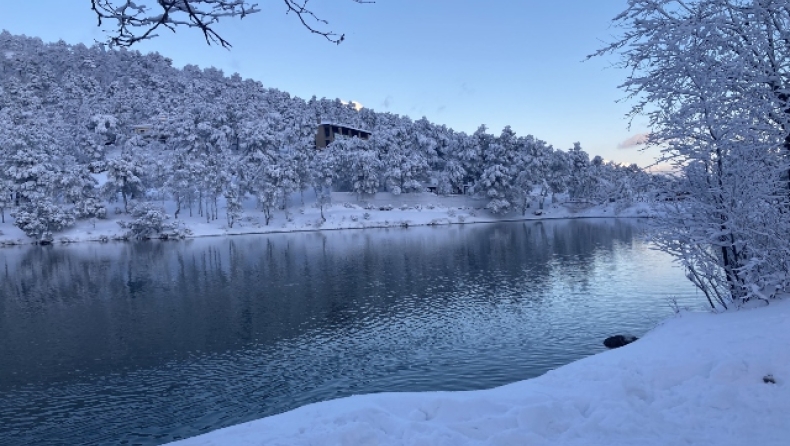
{"points": [[125, 177], [361, 165], [6, 196], [581, 180], [233, 204], [712, 77], [41, 218]]}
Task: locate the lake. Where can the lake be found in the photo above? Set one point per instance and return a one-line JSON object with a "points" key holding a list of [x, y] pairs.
{"points": [[145, 343]]}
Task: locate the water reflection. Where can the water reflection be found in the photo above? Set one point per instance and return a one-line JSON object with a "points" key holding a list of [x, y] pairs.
{"points": [[146, 342]]}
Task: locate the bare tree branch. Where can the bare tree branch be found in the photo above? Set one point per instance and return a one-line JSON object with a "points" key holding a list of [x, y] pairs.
{"points": [[305, 16], [135, 21]]}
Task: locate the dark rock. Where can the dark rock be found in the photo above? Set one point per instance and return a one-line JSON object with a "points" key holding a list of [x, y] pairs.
{"points": [[619, 340], [769, 379]]}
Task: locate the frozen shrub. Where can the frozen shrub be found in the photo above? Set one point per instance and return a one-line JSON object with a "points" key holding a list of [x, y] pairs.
{"points": [[148, 221], [41, 219], [367, 216], [90, 208]]}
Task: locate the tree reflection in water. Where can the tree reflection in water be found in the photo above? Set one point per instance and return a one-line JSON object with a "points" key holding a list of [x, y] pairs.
{"points": [[184, 337]]}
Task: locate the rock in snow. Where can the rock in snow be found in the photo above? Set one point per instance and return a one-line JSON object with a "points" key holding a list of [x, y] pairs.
{"points": [[694, 380]]}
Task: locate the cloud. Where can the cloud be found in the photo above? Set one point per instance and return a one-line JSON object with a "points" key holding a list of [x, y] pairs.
{"points": [[441, 109], [636, 140], [663, 168]]}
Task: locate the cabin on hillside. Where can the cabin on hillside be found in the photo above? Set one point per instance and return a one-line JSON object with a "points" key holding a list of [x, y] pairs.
{"points": [[327, 131], [149, 130]]}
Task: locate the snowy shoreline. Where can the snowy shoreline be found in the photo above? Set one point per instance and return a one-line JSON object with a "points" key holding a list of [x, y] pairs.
{"points": [[422, 210], [679, 384]]}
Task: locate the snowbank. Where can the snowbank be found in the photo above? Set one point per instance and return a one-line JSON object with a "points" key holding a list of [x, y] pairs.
{"points": [[695, 380], [347, 211]]}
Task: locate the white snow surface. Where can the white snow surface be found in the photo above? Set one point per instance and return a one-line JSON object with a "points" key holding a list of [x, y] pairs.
{"points": [[347, 211], [697, 379]]}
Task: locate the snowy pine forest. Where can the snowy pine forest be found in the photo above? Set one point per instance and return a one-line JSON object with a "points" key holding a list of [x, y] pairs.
{"points": [[85, 131]]}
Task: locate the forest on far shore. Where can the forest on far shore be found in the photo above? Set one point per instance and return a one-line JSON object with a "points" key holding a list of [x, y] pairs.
{"points": [[203, 139]]}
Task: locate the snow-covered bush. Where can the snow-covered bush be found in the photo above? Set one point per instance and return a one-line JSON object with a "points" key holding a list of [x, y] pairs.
{"points": [[40, 219], [90, 208], [498, 206], [148, 221]]}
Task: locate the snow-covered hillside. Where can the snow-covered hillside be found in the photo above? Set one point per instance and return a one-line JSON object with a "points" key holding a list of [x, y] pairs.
{"points": [[210, 142], [698, 379]]}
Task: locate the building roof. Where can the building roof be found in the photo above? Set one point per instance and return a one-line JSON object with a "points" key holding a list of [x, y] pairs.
{"points": [[345, 126]]}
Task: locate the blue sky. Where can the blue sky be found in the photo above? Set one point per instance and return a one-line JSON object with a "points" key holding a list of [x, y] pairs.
{"points": [[462, 64]]}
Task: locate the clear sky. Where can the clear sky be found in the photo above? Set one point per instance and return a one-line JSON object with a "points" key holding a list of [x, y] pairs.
{"points": [[458, 63]]}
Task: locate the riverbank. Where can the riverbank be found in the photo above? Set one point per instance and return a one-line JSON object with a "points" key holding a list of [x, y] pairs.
{"points": [[696, 379], [346, 211]]}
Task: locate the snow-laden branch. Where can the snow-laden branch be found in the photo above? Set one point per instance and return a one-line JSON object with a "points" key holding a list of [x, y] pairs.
{"points": [[136, 21]]}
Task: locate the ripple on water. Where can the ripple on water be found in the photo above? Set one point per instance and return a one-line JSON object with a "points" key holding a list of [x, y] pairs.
{"points": [[227, 331]]}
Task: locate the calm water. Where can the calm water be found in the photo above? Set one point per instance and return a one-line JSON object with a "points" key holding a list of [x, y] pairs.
{"points": [[145, 343]]}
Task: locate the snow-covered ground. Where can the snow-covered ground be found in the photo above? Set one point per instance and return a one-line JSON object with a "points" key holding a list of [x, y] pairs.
{"points": [[697, 379], [346, 211]]}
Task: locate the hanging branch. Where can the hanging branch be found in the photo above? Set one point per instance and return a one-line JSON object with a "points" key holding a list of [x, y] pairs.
{"points": [[137, 22], [305, 16]]}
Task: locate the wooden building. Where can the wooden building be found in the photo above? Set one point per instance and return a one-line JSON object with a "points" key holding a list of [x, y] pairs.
{"points": [[327, 131]]}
